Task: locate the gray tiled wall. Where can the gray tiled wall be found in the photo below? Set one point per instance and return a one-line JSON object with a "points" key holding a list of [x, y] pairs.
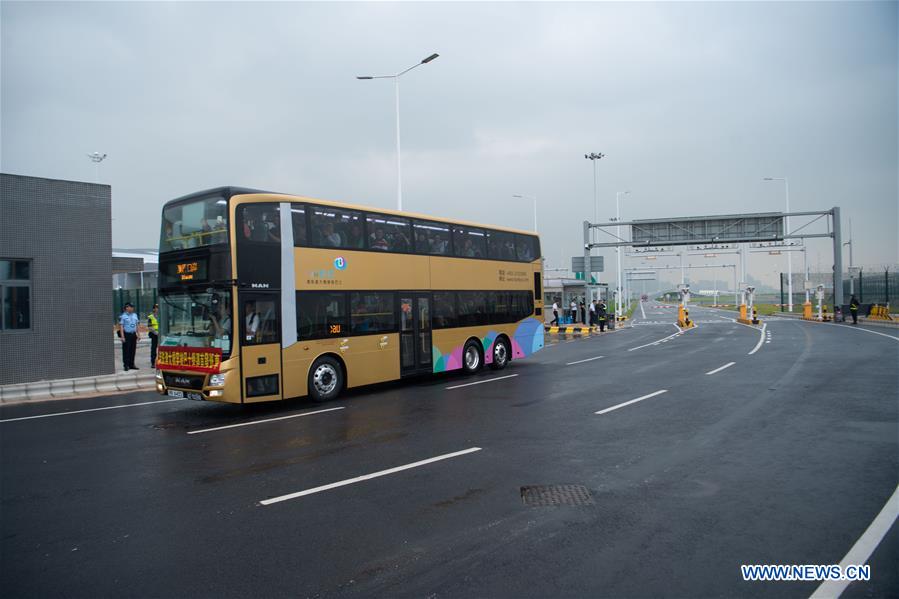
{"points": [[64, 228]]}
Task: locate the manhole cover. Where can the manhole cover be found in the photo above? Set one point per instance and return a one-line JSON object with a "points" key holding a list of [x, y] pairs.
{"points": [[538, 495]]}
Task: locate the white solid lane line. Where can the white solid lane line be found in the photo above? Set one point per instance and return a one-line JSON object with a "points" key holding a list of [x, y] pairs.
{"points": [[627, 403], [761, 338], [660, 340], [642, 311], [849, 326], [365, 477], [219, 428], [864, 547], [130, 405], [499, 378], [728, 365], [587, 360]]}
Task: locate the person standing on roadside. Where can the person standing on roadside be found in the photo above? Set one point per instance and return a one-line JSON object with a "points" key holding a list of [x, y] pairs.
{"points": [[129, 334], [593, 313], [601, 315], [573, 308], [853, 308], [555, 321], [153, 332]]}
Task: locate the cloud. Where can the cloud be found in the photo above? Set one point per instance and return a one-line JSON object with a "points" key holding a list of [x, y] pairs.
{"points": [[693, 103]]}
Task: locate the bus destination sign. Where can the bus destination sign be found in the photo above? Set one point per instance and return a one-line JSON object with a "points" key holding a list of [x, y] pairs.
{"points": [[187, 270], [193, 271], [198, 359]]}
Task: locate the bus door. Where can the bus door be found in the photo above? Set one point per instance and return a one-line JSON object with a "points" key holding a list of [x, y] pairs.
{"points": [[415, 333], [260, 346]]}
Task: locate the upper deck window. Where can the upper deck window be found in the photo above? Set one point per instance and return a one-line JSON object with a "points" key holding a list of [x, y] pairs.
{"points": [[194, 224], [259, 222], [336, 228], [527, 248], [500, 245], [432, 238], [389, 233], [469, 242]]}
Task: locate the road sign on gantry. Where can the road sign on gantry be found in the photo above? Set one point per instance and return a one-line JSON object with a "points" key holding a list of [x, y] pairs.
{"points": [[708, 230], [597, 264]]}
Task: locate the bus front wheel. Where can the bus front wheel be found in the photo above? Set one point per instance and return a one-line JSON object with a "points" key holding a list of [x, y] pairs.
{"points": [[471, 357], [500, 354], [325, 379]]}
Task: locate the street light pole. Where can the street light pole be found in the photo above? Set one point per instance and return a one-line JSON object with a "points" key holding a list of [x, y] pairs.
{"points": [[399, 166], [618, 249], [787, 230], [593, 156], [399, 162], [534, 198]]}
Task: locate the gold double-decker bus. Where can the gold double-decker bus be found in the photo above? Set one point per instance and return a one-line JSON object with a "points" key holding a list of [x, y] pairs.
{"points": [[266, 296]]}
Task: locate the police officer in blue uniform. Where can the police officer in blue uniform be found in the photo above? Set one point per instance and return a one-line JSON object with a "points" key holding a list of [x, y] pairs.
{"points": [[129, 334]]}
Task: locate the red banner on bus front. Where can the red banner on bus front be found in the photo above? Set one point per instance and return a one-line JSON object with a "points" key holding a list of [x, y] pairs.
{"points": [[199, 359]]}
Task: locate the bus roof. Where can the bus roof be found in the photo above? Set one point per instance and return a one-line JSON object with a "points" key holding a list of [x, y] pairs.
{"points": [[273, 195], [232, 191]]}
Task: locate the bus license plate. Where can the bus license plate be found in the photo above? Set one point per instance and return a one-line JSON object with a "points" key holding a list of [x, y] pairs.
{"points": [[173, 393], [195, 396]]}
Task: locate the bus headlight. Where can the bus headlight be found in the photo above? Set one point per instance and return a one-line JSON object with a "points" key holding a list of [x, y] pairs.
{"points": [[217, 380]]}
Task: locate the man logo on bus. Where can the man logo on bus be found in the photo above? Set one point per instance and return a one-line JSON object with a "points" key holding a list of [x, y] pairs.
{"points": [[340, 263]]}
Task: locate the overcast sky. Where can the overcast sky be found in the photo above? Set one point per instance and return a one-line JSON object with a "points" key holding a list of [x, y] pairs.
{"points": [[693, 104]]}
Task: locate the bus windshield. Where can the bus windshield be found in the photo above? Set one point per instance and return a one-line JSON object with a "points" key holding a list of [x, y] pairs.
{"points": [[190, 319], [194, 224]]}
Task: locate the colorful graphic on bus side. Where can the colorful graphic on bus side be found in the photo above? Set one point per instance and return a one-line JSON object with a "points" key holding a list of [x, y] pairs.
{"points": [[527, 339]]}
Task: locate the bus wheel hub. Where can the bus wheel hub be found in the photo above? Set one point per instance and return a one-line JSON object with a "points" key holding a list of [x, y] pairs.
{"points": [[325, 378]]}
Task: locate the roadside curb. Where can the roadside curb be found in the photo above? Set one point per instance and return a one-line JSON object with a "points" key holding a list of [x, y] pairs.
{"points": [[885, 324], [578, 330], [68, 388]]}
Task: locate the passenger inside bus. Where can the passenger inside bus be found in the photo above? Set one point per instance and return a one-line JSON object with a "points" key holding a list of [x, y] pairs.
{"points": [[469, 250], [378, 241], [329, 237], [355, 236]]}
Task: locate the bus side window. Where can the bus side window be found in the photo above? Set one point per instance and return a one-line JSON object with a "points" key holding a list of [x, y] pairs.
{"points": [[298, 220], [445, 310], [372, 312], [500, 245], [337, 228], [432, 238], [472, 308], [260, 320], [469, 242], [260, 223], [526, 246], [320, 315]]}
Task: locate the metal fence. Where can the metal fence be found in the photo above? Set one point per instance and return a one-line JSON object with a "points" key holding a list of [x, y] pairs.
{"points": [[141, 299], [870, 287]]}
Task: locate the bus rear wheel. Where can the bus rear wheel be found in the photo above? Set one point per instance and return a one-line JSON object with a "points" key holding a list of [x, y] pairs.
{"points": [[500, 354], [325, 379], [471, 357]]}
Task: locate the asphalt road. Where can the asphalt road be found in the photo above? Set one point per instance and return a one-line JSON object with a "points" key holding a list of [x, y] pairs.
{"points": [[784, 457]]}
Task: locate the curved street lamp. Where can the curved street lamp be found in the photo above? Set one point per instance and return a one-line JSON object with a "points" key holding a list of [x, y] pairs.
{"points": [[396, 79]]}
